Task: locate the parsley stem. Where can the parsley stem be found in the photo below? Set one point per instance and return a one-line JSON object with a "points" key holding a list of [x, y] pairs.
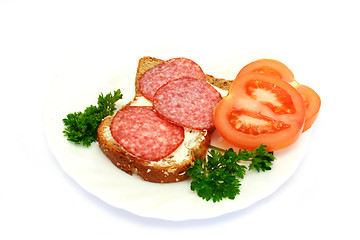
{"points": [[217, 149]]}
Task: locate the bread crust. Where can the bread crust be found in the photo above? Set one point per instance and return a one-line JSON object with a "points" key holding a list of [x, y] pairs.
{"points": [[166, 170]]}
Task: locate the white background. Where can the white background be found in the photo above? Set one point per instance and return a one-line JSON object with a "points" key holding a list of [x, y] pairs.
{"points": [[318, 40]]}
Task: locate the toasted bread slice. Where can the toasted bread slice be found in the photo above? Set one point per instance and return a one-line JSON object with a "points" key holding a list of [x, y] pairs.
{"points": [[171, 168]]}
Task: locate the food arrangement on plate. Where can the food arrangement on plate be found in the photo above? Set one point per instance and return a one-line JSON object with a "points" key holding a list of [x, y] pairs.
{"points": [[164, 134]]}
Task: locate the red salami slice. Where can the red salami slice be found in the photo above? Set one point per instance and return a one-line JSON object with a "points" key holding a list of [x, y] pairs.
{"points": [[167, 71], [141, 132], [187, 102]]}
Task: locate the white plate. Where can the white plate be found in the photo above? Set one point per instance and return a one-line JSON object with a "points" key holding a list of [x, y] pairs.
{"points": [[79, 84]]}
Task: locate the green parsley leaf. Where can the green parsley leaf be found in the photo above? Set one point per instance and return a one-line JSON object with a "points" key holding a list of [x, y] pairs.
{"points": [[260, 158], [218, 176], [81, 127]]}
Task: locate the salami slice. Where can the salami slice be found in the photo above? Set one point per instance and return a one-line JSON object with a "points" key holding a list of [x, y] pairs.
{"points": [[167, 71], [141, 132], [187, 102]]}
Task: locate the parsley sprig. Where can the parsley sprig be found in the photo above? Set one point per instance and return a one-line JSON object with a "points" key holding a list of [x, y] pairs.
{"points": [[218, 176], [81, 127]]}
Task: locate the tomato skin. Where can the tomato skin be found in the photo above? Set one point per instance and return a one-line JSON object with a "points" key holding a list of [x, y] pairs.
{"points": [[271, 67], [312, 103], [265, 124]]}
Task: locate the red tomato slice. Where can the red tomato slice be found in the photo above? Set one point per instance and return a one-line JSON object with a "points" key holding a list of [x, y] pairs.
{"points": [[281, 71], [269, 66], [312, 103], [260, 109]]}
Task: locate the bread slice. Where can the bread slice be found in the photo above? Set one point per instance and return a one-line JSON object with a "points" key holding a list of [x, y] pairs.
{"points": [[171, 168]]}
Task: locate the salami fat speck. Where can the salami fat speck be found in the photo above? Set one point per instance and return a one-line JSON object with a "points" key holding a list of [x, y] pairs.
{"points": [[142, 133], [187, 102], [167, 71]]}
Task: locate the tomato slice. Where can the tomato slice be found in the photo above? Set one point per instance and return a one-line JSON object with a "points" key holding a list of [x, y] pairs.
{"points": [[271, 67], [260, 109], [279, 70], [312, 103]]}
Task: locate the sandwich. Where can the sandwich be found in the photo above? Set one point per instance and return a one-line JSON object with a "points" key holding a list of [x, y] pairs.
{"points": [[167, 125]]}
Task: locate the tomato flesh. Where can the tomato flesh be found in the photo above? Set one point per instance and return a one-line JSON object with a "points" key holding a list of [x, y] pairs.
{"points": [[254, 123], [277, 99], [271, 67], [312, 103], [260, 109]]}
